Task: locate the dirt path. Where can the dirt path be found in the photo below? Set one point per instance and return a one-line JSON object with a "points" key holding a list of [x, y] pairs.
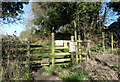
{"points": [[46, 76]]}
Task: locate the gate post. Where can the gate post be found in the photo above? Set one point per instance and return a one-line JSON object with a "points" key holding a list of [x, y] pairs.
{"points": [[53, 57], [79, 48], [72, 53]]}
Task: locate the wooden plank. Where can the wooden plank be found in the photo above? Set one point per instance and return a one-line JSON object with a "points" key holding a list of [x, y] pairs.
{"points": [[40, 48], [17, 49], [41, 54], [103, 40], [63, 40], [81, 59], [45, 64], [66, 53], [76, 54], [86, 41], [25, 62], [80, 55], [62, 60], [35, 61], [83, 53], [72, 53], [28, 53], [112, 41], [45, 60], [81, 47], [53, 50], [48, 54], [65, 44], [79, 41], [75, 31], [61, 47]]}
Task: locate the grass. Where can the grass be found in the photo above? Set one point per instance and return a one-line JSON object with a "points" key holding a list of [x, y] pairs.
{"points": [[74, 76], [46, 69], [68, 75], [116, 66], [64, 73]]}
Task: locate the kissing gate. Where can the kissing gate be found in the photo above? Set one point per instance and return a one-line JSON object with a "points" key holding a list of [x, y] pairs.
{"points": [[74, 52]]}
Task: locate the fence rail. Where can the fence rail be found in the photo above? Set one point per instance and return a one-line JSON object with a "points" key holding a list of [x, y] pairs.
{"points": [[19, 46], [13, 45]]}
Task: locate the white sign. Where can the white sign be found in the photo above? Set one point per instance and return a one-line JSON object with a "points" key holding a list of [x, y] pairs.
{"points": [[59, 42], [72, 47]]}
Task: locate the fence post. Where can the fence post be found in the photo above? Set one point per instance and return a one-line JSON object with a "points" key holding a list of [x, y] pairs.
{"points": [[88, 50], [3, 46], [112, 41], [76, 50], [75, 31], [65, 44], [53, 49], [8, 53], [72, 53], [103, 40], [28, 53], [79, 46]]}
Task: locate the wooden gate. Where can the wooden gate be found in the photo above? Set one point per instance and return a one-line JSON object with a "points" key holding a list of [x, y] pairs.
{"points": [[72, 50], [61, 52]]}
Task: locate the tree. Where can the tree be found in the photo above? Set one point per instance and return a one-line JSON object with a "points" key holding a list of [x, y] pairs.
{"points": [[25, 35], [116, 7], [51, 17], [12, 11], [86, 17]]}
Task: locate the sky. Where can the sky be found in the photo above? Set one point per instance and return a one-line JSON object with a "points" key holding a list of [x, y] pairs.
{"points": [[10, 29]]}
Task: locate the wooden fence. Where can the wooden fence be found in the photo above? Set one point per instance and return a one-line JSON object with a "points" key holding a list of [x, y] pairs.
{"points": [[50, 58], [47, 61], [111, 41]]}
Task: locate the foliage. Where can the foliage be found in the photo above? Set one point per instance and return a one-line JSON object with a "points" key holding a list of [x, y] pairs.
{"points": [[116, 7], [116, 66], [51, 17], [74, 76], [25, 35], [12, 67], [11, 11], [46, 69]]}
